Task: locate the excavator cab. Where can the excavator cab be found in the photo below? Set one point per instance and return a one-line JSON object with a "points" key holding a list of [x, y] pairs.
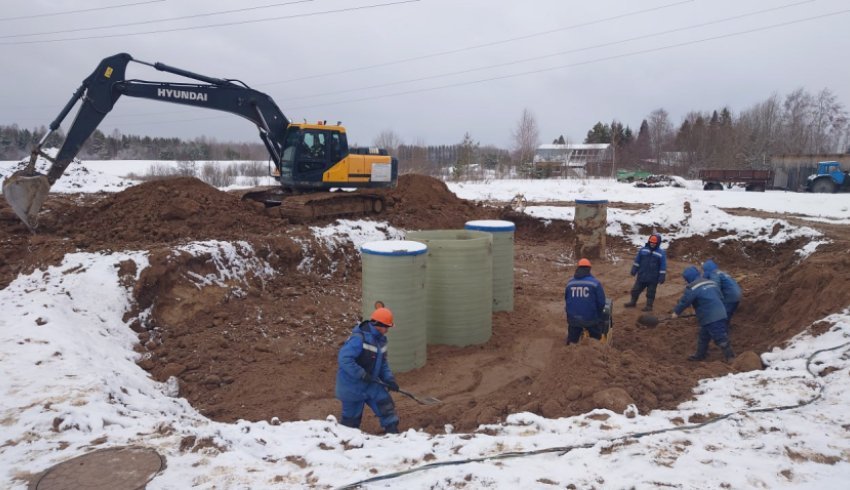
{"points": [[309, 152]]}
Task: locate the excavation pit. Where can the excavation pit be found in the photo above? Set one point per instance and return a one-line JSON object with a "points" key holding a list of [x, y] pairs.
{"points": [[256, 346]]}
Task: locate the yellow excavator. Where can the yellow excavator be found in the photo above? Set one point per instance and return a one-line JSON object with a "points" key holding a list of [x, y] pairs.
{"points": [[309, 160]]}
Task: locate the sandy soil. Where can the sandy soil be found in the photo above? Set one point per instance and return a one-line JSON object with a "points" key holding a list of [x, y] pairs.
{"points": [[257, 348]]}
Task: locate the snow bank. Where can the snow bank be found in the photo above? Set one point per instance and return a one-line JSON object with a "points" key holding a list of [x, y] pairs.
{"points": [[69, 380]]}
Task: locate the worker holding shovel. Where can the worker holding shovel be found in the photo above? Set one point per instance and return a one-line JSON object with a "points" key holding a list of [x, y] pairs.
{"points": [[364, 376], [704, 295]]}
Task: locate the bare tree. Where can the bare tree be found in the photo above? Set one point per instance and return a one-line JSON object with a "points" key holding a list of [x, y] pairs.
{"points": [[828, 122], [760, 129], [660, 132], [796, 115], [389, 140], [526, 138]]}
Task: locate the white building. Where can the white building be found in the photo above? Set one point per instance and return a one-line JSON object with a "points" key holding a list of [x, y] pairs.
{"points": [[570, 159]]}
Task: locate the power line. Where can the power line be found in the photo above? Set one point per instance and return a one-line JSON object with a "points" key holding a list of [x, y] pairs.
{"points": [[224, 24], [531, 72], [559, 53], [588, 62], [484, 45], [93, 9], [154, 21]]}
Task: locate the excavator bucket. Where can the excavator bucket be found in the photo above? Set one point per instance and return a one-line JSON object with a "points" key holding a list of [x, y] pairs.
{"points": [[25, 191]]}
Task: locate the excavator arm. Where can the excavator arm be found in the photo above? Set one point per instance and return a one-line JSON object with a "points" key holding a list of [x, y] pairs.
{"points": [[27, 189]]}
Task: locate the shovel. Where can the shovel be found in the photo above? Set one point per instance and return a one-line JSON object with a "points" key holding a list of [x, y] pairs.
{"points": [[652, 321], [421, 399]]}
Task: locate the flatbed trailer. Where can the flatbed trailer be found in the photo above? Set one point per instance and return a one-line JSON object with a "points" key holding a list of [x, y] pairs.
{"points": [[752, 180]]}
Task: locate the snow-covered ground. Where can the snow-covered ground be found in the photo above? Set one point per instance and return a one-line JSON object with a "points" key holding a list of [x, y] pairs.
{"points": [[68, 377]]}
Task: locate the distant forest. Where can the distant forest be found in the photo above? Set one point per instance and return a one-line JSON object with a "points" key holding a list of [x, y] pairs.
{"points": [[16, 143], [801, 123]]}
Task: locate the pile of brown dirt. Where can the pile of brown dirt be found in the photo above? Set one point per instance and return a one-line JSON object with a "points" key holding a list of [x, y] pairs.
{"points": [[257, 346], [178, 209], [424, 203]]}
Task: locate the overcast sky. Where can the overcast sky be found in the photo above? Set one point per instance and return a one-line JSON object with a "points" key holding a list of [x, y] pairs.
{"points": [[429, 70]]}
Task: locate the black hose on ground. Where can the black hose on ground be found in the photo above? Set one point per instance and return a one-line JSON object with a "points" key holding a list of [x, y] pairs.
{"points": [[565, 449]]}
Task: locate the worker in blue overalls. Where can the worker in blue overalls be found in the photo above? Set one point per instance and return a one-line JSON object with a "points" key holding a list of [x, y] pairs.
{"points": [[364, 376]]}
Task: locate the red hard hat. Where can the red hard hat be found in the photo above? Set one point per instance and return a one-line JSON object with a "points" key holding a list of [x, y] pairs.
{"points": [[383, 317], [584, 263]]}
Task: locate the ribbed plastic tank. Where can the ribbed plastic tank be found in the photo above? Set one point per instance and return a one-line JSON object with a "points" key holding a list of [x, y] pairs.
{"points": [[591, 222], [459, 284], [503, 260], [394, 274]]}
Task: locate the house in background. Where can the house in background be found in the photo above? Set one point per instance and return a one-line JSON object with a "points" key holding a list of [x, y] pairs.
{"points": [[572, 160]]}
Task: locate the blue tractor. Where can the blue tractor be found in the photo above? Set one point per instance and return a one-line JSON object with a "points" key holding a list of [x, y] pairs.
{"points": [[830, 178]]}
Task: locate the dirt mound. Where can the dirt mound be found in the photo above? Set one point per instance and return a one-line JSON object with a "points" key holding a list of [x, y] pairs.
{"points": [[804, 293], [739, 255], [175, 209], [420, 202]]}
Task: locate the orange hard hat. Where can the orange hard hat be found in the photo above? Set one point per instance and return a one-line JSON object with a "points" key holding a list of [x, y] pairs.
{"points": [[653, 239], [383, 317], [584, 263]]}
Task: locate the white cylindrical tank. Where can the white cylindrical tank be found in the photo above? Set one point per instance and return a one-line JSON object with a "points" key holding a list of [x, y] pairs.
{"points": [[503, 260], [459, 284], [394, 274]]}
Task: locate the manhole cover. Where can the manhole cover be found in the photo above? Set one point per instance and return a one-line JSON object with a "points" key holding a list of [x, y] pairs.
{"points": [[113, 468]]}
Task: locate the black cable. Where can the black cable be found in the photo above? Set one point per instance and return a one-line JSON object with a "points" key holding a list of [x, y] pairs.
{"points": [[588, 62], [531, 72], [478, 46], [154, 21], [209, 26], [53, 14], [566, 449], [551, 55]]}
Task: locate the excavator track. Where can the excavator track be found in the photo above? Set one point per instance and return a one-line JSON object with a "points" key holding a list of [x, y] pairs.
{"points": [[303, 208], [308, 207]]}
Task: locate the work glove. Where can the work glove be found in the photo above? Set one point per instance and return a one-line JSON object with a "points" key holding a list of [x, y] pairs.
{"points": [[674, 315], [634, 270], [391, 385], [367, 377], [661, 278]]}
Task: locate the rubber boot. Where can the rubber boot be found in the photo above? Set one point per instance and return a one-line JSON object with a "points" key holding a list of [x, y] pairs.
{"points": [[702, 349], [632, 303], [353, 422], [728, 353], [648, 306], [391, 429]]}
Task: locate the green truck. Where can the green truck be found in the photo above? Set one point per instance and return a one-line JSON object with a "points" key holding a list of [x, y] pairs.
{"points": [[632, 175]]}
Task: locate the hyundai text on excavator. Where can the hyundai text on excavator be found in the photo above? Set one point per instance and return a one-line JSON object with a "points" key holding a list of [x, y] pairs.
{"points": [[308, 158]]}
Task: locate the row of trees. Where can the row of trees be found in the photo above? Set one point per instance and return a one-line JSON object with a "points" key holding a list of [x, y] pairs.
{"points": [[16, 143], [801, 123]]}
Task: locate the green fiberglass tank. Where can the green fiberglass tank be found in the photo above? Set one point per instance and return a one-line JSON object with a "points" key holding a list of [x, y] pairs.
{"points": [[503, 260], [394, 274], [459, 285]]}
